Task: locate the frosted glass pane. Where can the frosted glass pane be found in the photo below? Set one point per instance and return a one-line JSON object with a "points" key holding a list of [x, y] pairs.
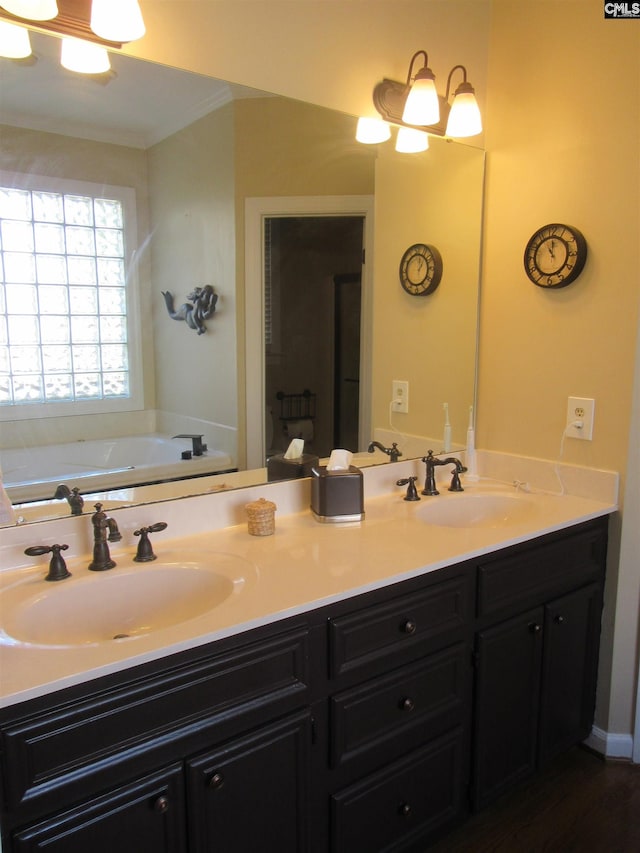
{"points": [[109, 242], [54, 330], [51, 269], [87, 385], [50, 238], [111, 272], [6, 390], [25, 359], [80, 241], [17, 236], [53, 299], [56, 359], [22, 299], [84, 330], [27, 389], [48, 207], [113, 329], [116, 384], [4, 332], [23, 330], [19, 267], [83, 300], [81, 270], [4, 359], [15, 204], [86, 358], [3, 303], [58, 387], [113, 300], [108, 213], [78, 210], [114, 357]]}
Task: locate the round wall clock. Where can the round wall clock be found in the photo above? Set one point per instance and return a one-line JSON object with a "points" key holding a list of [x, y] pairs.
{"points": [[555, 255], [420, 269]]}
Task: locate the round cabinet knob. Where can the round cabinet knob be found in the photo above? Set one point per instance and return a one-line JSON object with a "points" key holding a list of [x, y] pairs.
{"points": [[216, 782], [405, 809], [559, 619], [161, 805], [535, 628], [409, 627], [407, 704]]}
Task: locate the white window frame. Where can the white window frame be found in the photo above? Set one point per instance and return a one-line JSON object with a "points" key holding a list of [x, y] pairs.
{"points": [[135, 400]]}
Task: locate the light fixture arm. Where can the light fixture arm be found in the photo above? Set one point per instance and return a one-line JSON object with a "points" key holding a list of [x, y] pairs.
{"points": [[463, 87], [410, 75]]}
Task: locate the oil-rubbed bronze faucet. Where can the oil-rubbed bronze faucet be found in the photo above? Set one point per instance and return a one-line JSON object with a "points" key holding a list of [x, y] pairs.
{"points": [[101, 556], [432, 462], [58, 570], [73, 497], [392, 452]]}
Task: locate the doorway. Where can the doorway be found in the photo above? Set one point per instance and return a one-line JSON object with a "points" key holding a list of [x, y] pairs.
{"points": [[271, 356], [312, 280]]}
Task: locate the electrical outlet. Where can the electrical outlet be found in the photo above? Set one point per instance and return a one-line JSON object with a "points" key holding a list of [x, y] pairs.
{"points": [[580, 410], [400, 396]]}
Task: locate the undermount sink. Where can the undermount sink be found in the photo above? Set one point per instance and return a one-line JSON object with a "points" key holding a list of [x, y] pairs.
{"points": [[470, 509], [122, 603]]}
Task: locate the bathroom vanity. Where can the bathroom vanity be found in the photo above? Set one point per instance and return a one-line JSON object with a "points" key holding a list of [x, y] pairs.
{"points": [[374, 717]]}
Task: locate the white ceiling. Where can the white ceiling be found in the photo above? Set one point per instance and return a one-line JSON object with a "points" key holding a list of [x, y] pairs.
{"points": [[137, 104]]}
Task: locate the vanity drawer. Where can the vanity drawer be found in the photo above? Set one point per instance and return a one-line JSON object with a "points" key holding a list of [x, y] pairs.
{"points": [[532, 574], [72, 743], [395, 630], [406, 801], [400, 710]]}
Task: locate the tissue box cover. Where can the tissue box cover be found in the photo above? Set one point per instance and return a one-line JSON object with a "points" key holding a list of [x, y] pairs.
{"points": [[337, 495], [279, 468]]}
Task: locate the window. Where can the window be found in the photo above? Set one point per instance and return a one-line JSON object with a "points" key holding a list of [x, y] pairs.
{"points": [[67, 302]]}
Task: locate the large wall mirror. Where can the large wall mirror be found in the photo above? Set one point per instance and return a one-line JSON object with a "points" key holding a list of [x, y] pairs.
{"points": [[197, 154]]}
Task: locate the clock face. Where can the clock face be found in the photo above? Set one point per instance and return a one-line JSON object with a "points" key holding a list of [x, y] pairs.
{"points": [[555, 255], [420, 269]]}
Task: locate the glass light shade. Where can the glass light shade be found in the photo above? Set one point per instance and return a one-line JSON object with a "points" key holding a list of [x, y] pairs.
{"points": [[464, 118], [84, 56], [34, 10], [14, 41], [372, 130], [422, 107], [410, 141], [117, 20]]}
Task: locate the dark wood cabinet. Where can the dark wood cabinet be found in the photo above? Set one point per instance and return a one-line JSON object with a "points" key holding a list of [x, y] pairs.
{"points": [[536, 671], [146, 814], [359, 727], [253, 791]]}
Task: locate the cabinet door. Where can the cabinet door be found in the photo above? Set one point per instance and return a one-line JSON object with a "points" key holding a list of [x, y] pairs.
{"points": [[146, 815], [569, 670], [509, 657], [252, 793]]}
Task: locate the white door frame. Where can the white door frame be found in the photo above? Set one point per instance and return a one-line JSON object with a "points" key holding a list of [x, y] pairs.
{"points": [[256, 210]]}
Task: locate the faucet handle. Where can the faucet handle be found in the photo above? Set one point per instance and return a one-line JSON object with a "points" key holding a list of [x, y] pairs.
{"points": [[145, 554], [412, 492], [57, 567]]}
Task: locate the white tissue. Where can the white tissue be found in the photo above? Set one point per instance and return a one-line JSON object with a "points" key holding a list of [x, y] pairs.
{"points": [[340, 460], [295, 449]]}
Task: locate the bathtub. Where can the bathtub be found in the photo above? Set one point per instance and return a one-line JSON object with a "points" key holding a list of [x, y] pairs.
{"points": [[97, 464]]}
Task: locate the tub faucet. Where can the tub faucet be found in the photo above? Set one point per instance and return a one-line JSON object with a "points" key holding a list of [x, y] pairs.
{"points": [[101, 556], [392, 452], [73, 497], [432, 462]]}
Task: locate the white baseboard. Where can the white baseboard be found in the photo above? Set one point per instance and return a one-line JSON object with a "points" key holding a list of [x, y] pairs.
{"points": [[610, 745]]}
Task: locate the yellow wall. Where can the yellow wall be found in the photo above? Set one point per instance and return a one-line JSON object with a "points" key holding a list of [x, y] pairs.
{"points": [[562, 135]]}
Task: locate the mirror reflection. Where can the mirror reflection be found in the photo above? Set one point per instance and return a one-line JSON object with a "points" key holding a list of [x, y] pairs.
{"points": [[192, 152]]}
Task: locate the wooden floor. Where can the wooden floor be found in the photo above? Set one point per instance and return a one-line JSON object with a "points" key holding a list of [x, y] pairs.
{"points": [[580, 804]]}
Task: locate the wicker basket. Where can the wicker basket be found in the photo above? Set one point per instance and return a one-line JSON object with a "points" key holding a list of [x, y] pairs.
{"points": [[261, 515]]}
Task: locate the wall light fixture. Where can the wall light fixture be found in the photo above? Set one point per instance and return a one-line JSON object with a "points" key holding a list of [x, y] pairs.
{"points": [[416, 104], [106, 23]]}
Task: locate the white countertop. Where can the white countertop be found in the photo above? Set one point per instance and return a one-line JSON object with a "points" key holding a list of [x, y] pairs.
{"points": [[302, 566]]}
